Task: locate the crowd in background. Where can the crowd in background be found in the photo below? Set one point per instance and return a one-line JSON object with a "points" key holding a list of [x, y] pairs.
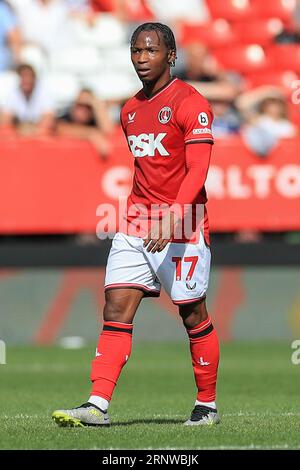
{"points": [[65, 68]]}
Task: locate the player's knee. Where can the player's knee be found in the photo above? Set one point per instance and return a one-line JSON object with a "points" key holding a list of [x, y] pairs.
{"points": [[113, 311], [121, 304], [193, 314]]}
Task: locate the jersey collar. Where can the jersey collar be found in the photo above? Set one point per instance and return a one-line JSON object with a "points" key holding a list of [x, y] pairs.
{"points": [[161, 90]]}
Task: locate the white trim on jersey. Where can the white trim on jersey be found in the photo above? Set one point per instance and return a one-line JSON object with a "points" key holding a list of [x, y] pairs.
{"points": [[164, 89]]}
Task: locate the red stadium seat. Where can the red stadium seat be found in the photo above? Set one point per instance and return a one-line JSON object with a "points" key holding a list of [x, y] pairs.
{"points": [[216, 33], [285, 57], [258, 31], [231, 10], [294, 112], [282, 9], [283, 79], [243, 59]]}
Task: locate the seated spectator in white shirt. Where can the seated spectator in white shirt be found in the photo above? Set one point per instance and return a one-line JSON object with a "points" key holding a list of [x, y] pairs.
{"points": [[28, 107], [270, 125]]}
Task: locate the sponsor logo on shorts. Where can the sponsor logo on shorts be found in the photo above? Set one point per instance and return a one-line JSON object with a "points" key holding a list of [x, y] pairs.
{"points": [[189, 286], [165, 115], [206, 130]]}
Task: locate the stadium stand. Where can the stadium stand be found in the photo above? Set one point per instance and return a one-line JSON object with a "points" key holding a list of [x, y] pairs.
{"points": [[232, 10], [282, 9], [244, 59], [235, 47]]}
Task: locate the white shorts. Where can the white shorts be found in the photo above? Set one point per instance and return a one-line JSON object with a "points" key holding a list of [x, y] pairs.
{"points": [[181, 268]]}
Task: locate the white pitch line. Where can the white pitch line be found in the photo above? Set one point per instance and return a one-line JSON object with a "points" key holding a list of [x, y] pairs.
{"points": [[238, 414], [175, 416], [256, 414], [44, 368], [22, 416], [231, 447]]}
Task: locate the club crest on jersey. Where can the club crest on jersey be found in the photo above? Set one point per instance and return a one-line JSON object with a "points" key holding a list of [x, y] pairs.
{"points": [[164, 115]]}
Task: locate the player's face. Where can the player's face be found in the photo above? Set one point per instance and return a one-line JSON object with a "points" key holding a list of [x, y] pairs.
{"points": [[150, 56]]}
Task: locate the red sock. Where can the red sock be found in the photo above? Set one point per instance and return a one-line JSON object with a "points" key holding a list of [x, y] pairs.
{"points": [[113, 350], [204, 347]]}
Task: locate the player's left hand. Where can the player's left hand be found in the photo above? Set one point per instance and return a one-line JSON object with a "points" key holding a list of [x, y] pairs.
{"points": [[161, 233]]}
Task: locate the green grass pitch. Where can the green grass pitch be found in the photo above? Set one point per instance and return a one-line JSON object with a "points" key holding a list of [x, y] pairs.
{"points": [[258, 399]]}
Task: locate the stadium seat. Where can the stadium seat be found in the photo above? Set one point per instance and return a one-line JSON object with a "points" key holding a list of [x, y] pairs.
{"points": [[294, 111], [63, 87], [285, 57], [80, 60], [283, 79], [243, 59], [260, 31], [105, 32], [282, 9], [231, 10], [117, 59], [113, 86], [216, 33]]}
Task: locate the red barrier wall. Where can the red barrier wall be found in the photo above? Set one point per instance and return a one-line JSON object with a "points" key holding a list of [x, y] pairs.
{"points": [[56, 185]]}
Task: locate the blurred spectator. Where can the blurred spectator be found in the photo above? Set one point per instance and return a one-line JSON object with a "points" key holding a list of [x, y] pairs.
{"points": [[88, 119], [10, 38], [78, 5], [43, 23], [105, 30], [28, 106], [171, 12], [125, 10], [291, 35], [108, 6], [226, 119], [201, 70], [81, 9], [198, 64], [265, 111]]}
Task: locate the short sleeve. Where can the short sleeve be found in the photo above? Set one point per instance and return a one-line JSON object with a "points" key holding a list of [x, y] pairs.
{"points": [[195, 118]]}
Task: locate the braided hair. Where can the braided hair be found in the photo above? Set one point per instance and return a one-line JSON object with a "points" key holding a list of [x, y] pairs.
{"points": [[166, 33]]}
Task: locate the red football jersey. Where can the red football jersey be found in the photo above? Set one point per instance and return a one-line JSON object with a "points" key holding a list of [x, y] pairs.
{"points": [[157, 130]]}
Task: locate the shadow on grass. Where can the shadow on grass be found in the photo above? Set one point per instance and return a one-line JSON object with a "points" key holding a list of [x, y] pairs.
{"points": [[146, 421]]}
